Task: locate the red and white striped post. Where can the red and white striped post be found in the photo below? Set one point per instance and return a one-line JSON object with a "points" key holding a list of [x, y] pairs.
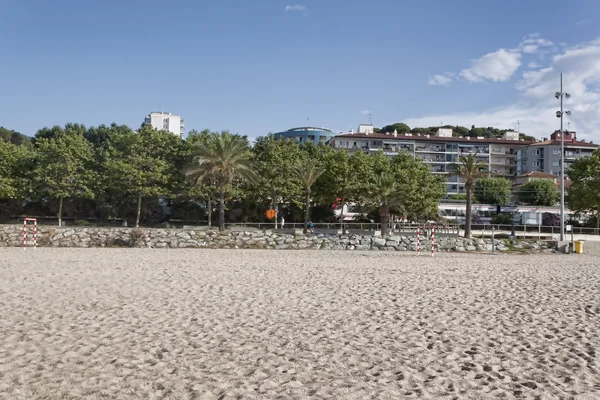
{"points": [[35, 234], [418, 241], [24, 234], [432, 240]]}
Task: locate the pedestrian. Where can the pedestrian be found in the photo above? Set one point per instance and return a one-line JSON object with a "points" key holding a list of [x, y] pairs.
{"points": [[282, 221], [311, 226]]}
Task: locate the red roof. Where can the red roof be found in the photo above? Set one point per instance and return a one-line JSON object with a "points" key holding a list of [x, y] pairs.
{"points": [[432, 138], [538, 174]]}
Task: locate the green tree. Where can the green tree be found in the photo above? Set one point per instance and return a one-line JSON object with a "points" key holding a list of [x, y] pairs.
{"points": [[539, 192], [275, 166], [470, 170], [384, 194], [584, 194], [9, 160], [399, 127], [64, 165], [143, 164], [223, 159], [308, 172], [493, 190], [10, 136]]}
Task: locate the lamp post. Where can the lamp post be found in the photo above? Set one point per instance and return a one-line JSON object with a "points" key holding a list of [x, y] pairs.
{"points": [[560, 95]]}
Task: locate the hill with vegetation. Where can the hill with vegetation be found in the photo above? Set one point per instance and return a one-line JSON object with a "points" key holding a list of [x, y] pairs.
{"points": [[14, 137], [489, 132]]}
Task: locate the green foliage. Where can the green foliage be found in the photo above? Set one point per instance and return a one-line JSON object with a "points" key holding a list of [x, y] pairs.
{"points": [[493, 190], [64, 165], [222, 159], [15, 163], [502, 219], [16, 138], [457, 196], [584, 193], [399, 127], [275, 162], [470, 170], [539, 192], [308, 172]]}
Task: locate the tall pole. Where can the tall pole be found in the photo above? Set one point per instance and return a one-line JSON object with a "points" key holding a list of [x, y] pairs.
{"points": [[562, 165]]}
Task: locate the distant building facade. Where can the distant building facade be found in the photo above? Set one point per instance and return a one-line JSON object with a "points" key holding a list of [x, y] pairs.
{"points": [[544, 156], [440, 150], [307, 134], [166, 121]]}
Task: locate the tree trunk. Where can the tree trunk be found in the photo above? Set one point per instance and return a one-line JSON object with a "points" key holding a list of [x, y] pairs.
{"points": [[60, 212], [597, 223], [222, 208], [139, 211], [469, 211], [384, 214], [209, 206], [306, 212]]}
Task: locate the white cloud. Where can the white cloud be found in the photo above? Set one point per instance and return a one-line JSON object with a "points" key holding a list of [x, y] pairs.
{"points": [[439, 79], [299, 8], [535, 106], [583, 22], [365, 112], [532, 43], [497, 66], [534, 65], [500, 65]]}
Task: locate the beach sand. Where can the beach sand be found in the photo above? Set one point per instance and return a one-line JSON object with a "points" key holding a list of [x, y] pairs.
{"points": [[251, 324]]}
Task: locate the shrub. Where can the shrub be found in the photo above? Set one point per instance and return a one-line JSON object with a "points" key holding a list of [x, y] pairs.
{"points": [[503, 219], [136, 236], [82, 222]]}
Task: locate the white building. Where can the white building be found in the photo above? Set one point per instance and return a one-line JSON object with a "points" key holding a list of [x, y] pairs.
{"points": [[166, 121]]}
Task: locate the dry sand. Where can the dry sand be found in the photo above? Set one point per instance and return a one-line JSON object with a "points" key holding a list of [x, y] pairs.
{"points": [[209, 324]]}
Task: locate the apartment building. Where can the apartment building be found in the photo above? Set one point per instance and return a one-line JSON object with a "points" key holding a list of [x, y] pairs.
{"points": [[544, 156], [440, 150], [166, 121]]}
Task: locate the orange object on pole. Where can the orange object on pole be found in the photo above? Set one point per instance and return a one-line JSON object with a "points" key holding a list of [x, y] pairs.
{"points": [[270, 214]]}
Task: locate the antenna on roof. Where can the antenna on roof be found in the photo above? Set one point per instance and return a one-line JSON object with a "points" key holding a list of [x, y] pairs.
{"points": [[370, 119], [518, 126]]}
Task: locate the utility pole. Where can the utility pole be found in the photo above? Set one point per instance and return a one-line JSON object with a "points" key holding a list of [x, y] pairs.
{"points": [[560, 114]]}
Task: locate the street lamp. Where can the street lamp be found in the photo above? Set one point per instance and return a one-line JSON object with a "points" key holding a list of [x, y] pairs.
{"points": [[560, 95]]}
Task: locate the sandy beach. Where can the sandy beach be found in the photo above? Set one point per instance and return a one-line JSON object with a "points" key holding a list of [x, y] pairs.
{"points": [[237, 324]]}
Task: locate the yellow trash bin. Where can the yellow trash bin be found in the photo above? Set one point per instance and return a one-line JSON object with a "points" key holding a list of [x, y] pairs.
{"points": [[579, 246]]}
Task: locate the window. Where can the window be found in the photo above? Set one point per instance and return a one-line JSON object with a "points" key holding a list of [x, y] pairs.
{"points": [[556, 152], [536, 153], [555, 163], [535, 163]]}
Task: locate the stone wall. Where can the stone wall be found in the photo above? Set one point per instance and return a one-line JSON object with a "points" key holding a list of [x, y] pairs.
{"points": [[12, 235]]}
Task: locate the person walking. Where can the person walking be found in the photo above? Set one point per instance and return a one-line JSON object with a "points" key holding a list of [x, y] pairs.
{"points": [[282, 222], [311, 226]]}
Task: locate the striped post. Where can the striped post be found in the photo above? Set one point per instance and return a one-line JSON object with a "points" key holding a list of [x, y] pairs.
{"points": [[24, 234], [418, 241], [35, 234], [432, 239]]}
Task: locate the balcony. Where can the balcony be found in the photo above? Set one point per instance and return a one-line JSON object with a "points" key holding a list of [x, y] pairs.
{"points": [[430, 149]]}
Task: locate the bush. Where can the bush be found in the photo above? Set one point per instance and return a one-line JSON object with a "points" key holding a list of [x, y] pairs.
{"points": [[82, 222], [457, 196], [503, 219]]}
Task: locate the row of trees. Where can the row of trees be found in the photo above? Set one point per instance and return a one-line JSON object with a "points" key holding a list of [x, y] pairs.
{"points": [[105, 172], [487, 132], [113, 172]]}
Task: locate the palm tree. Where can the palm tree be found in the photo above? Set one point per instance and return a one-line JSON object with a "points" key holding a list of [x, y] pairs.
{"points": [[384, 194], [222, 159], [470, 170], [308, 171]]}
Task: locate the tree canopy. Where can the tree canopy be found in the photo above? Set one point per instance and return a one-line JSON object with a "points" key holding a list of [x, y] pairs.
{"points": [[490, 190], [539, 192]]}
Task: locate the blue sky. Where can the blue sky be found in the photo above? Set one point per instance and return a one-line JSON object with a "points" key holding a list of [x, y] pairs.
{"points": [[259, 66]]}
